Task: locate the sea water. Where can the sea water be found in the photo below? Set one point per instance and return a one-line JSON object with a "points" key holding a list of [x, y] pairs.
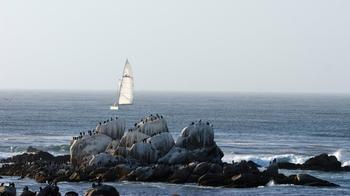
{"points": [[247, 126]]}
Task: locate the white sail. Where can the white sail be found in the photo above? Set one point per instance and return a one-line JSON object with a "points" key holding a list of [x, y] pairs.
{"points": [[125, 92]]}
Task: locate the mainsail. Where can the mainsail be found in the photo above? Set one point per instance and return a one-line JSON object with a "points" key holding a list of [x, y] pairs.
{"points": [[125, 95]]}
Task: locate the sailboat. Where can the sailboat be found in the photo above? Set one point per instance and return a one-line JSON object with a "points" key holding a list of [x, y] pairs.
{"points": [[125, 93]]}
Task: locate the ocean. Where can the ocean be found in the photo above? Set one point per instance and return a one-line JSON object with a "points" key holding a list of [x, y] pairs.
{"points": [[247, 126]]}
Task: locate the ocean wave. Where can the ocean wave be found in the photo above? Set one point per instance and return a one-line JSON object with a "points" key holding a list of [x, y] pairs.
{"points": [[342, 156], [264, 160], [15, 150]]}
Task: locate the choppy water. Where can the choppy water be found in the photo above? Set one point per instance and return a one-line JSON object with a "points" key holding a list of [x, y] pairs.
{"points": [[257, 127]]}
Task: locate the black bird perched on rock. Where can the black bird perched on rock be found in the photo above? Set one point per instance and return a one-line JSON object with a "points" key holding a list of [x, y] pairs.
{"points": [[116, 117], [104, 122], [111, 119], [135, 124], [192, 123], [100, 123], [207, 123]]}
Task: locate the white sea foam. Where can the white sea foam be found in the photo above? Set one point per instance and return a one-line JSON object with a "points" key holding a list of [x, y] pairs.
{"points": [[341, 156], [264, 160]]}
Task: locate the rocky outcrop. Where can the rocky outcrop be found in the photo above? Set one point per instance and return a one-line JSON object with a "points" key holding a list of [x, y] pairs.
{"points": [[195, 144], [147, 152], [87, 146], [196, 136], [322, 162], [114, 128]]}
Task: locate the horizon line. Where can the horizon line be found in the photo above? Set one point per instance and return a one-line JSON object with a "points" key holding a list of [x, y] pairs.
{"points": [[180, 91]]}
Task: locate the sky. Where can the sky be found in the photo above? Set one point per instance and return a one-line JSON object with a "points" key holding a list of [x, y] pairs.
{"points": [[182, 45]]}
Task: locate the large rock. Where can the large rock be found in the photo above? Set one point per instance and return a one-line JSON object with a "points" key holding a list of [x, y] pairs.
{"points": [[197, 135], [105, 160], [114, 128], [102, 190], [212, 179], [88, 146], [162, 142], [132, 137], [152, 125], [176, 156], [323, 162], [181, 174], [308, 180], [143, 152], [246, 180]]}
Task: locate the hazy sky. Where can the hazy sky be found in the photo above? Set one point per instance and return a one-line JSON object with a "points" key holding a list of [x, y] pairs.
{"points": [[247, 45]]}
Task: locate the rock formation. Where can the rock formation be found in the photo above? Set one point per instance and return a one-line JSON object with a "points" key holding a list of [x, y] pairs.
{"points": [[322, 162], [114, 128], [88, 146], [147, 152]]}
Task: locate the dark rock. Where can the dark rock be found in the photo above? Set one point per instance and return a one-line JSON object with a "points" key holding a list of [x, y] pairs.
{"points": [[109, 175], [323, 162], [212, 179], [181, 174], [30, 157], [161, 172], [31, 149], [271, 171], [281, 179], [27, 192], [41, 177], [308, 180], [102, 190], [246, 180], [287, 165], [142, 173], [51, 190], [122, 171], [346, 168], [201, 168], [71, 193], [215, 168]]}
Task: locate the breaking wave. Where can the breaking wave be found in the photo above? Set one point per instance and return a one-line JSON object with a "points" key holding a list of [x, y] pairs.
{"points": [[264, 160]]}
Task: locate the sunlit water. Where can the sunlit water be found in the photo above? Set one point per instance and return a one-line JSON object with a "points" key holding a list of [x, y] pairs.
{"points": [[248, 126]]}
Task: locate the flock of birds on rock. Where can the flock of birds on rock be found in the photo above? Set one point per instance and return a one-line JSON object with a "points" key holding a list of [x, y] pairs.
{"points": [[93, 131], [143, 121], [200, 122]]}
